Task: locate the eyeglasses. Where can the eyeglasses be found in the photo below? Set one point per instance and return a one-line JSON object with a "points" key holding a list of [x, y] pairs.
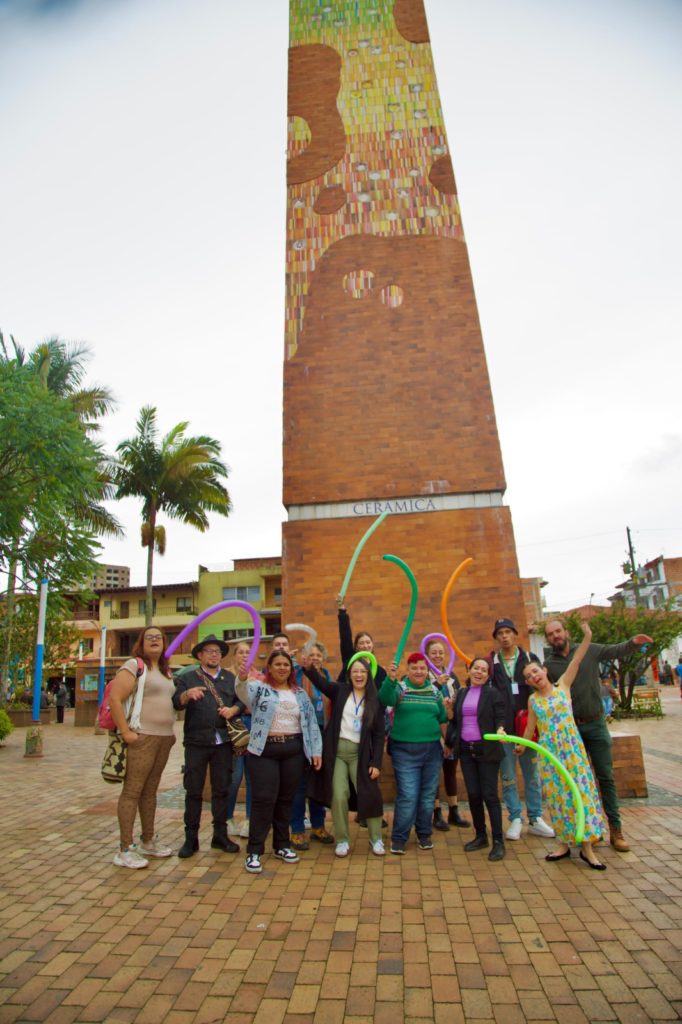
{"points": [[153, 636]]}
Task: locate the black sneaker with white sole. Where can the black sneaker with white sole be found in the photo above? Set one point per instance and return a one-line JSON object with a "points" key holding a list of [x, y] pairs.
{"points": [[288, 855], [253, 864]]}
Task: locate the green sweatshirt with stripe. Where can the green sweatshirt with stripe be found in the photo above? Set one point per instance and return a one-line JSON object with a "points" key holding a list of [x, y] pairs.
{"points": [[419, 711]]}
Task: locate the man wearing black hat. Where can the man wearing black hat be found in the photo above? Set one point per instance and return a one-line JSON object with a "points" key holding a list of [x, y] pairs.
{"points": [[507, 665], [209, 700]]}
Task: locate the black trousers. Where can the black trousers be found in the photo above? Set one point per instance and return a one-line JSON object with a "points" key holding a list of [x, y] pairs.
{"points": [[481, 781], [275, 775], [60, 713], [218, 759]]}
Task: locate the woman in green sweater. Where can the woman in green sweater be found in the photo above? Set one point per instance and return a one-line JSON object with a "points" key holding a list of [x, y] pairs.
{"points": [[419, 722]]}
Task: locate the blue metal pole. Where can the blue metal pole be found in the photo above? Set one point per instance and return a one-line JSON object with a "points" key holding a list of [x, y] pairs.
{"points": [[102, 661], [40, 650]]}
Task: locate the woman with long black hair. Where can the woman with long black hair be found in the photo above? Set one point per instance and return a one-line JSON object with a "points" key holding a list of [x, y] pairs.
{"points": [[353, 746]]}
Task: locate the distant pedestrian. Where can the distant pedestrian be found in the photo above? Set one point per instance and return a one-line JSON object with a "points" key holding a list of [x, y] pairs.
{"points": [[60, 700], [678, 673]]}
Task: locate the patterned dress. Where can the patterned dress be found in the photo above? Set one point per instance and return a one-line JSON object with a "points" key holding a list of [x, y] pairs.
{"points": [[559, 734]]}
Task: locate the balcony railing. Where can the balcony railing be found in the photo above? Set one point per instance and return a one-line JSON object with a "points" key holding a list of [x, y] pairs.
{"points": [[160, 610]]}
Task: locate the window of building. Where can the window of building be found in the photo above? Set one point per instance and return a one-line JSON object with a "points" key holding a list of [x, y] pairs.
{"points": [[142, 607], [183, 604], [249, 594], [87, 645], [238, 634], [124, 609], [278, 595]]}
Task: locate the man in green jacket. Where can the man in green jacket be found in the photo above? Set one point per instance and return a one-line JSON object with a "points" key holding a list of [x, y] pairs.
{"points": [[588, 710]]}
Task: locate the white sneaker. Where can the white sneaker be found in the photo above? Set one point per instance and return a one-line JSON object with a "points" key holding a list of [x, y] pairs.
{"points": [[378, 848], [307, 824], [342, 849], [232, 828], [154, 849], [514, 830], [541, 828], [244, 830], [130, 858], [253, 864], [288, 855]]}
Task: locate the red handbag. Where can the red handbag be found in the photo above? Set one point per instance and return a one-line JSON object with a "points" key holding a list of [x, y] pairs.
{"points": [[520, 723]]}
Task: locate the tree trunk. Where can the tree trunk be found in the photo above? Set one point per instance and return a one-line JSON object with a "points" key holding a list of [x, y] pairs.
{"points": [[149, 603], [9, 622]]}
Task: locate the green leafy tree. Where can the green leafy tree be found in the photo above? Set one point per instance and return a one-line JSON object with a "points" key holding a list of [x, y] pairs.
{"points": [[176, 475], [617, 624], [57, 535]]}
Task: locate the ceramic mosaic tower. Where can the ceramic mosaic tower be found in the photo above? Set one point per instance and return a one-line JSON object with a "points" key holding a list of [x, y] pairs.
{"points": [[387, 400]]}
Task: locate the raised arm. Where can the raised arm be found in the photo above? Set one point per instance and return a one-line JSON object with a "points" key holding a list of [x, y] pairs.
{"points": [[326, 687], [568, 678], [345, 635]]}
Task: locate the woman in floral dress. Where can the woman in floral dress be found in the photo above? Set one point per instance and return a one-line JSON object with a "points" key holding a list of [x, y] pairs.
{"points": [[550, 712]]}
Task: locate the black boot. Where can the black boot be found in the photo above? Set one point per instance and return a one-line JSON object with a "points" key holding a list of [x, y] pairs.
{"points": [[498, 851], [220, 840], [479, 843], [439, 821], [190, 845], [455, 818]]}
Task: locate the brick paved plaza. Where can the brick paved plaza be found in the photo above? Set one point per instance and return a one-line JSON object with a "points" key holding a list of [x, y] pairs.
{"points": [[431, 936]]}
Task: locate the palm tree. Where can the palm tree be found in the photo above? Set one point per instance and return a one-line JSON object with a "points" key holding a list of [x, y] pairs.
{"points": [[178, 475]]}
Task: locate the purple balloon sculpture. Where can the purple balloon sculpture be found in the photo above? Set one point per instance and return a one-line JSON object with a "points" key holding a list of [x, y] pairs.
{"points": [[446, 643], [183, 634]]}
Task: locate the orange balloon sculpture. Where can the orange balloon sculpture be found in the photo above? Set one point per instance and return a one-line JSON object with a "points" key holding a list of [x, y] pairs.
{"points": [[444, 610]]}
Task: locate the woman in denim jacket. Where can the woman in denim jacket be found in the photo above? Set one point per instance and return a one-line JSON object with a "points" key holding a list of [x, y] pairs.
{"points": [[284, 734]]}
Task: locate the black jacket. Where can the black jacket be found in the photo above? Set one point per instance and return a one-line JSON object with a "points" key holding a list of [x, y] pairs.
{"points": [[347, 650], [368, 801], [490, 715], [513, 702], [202, 720]]}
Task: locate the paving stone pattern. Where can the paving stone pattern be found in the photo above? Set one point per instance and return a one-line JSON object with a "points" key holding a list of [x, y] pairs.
{"points": [[432, 936]]}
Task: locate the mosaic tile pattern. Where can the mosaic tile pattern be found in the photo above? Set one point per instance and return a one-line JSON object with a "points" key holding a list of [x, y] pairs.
{"points": [[395, 173]]}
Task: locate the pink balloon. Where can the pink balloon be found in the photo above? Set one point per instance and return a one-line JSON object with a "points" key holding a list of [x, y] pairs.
{"points": [[183, 634], [446, 643]]}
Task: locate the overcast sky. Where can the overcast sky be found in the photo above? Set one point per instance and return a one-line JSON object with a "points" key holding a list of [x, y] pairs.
{"points": [[142, 209]]}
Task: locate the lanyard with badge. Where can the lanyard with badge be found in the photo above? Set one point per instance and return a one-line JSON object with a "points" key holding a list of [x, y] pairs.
{"points": [[357, 714], [511, 673]]}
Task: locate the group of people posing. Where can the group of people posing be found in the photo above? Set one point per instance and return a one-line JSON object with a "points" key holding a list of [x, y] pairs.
{"points": [[321, 742]]}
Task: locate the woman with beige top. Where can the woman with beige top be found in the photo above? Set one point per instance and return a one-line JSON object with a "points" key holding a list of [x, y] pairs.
{"points": [[149, 744]]}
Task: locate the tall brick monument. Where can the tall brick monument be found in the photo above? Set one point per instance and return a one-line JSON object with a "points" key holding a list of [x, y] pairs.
{"points": [[387, 401]]}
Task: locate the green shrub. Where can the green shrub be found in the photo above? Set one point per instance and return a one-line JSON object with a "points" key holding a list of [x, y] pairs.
{"points": [[6, 726]]}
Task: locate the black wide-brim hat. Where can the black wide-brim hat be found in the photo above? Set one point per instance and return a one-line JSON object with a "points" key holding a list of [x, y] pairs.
{"points": [[210, 639]]}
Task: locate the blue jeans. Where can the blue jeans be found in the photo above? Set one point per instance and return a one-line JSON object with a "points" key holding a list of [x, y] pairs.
{"points": [[417, 770], [531, 782], [318, 812], [238, 771]]}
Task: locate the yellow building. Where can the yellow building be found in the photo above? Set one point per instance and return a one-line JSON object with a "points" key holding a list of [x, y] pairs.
{"points": [[258, 581], [123, 613]]}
